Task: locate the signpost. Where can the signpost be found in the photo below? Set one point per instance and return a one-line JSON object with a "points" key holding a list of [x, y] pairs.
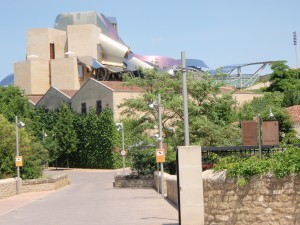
{"points": [[249, 133], [268, 136], [270, 133], [19, 161], [160, 156]]}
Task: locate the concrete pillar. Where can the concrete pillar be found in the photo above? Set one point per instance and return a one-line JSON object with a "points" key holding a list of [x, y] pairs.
{"points": [[190, 191]]}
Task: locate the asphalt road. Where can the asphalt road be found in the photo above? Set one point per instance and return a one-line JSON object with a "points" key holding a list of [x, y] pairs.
{"points": [[92, 200]]}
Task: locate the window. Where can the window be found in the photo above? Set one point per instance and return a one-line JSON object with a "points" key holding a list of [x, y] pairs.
{"points": [[98, 107], [80, 72], [52, 51], [83, 108]]}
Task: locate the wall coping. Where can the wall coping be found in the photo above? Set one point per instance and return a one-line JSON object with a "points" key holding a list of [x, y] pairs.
{"points": [[52, 179]]}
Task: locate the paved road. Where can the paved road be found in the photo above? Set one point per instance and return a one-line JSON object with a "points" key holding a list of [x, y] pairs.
{"points": [[90, 200]]}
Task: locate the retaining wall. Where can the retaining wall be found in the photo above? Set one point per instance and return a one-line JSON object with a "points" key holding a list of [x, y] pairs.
{"points": [[263, 200], [8, 186], [131, 182]]}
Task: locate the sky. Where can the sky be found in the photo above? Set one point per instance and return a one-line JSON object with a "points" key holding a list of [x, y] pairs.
{"points": [[216, 31]]}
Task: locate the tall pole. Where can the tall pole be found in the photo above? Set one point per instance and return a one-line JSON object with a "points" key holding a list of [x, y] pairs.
{"points": [[295, 44], [160, 144], [185, 101], [17, 154], [123, 149]]}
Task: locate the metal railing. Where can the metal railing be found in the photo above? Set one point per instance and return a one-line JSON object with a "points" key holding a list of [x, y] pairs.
{"points": [[240, 151]]}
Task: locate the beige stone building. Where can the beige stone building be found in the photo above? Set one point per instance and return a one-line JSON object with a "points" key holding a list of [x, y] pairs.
{"points": [[54, 98], [294, 112], [103, 94], [48, 62]]}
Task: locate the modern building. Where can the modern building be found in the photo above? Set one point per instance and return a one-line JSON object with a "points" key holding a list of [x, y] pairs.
{"points": [[81, 46]]}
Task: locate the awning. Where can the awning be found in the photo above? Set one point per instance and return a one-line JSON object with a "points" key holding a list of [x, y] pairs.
{"points": [[114, 69], [90, 61]]}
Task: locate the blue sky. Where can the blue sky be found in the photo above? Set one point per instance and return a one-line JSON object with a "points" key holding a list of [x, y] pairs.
{"points": [[218, 32]]}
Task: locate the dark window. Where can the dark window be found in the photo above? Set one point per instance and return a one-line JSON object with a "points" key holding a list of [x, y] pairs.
{"points": [[83, 108], [52, 51], [80, 72], [98, 107]]}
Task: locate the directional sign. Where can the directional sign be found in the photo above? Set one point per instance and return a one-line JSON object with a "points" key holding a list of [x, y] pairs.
{"points": [[19, 161], [160, 155]]}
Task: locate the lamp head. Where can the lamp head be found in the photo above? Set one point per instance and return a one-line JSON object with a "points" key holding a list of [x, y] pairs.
{"points": [[21, 124], [151, 106], [271, 114], [119, 126]]}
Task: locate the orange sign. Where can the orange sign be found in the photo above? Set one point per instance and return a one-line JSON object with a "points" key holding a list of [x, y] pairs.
{"points": [[19, 161], [160, 155]]}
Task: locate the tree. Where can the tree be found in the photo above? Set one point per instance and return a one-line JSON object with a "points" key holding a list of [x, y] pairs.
{"points": [[283, 78], [206, 103], [65, 134], [13, 103], [32, 151]]}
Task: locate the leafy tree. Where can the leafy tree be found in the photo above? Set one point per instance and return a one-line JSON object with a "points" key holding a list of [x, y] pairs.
{"points": [[13, 103], [206, 104], [291, 97], [65, 134], [33, 152], [283, 78]]}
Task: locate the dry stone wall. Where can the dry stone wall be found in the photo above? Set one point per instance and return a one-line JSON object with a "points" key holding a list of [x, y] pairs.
{"points": [[264, 200]]}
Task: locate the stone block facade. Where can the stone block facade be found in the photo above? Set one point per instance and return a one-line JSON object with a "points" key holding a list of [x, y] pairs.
{"points": [[263, 200]]}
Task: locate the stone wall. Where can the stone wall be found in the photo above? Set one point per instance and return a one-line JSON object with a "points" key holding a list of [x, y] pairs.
{"points": [[8, 186], [263, 200], [131, 182], [44, 184]]}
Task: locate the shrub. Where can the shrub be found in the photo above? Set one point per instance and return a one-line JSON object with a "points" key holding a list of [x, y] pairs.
{"points": [[143, 161], [281, 164]]}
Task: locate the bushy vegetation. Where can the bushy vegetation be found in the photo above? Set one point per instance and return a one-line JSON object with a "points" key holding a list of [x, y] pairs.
{"points": [[34, 154], [59, 138], [280, 164]]}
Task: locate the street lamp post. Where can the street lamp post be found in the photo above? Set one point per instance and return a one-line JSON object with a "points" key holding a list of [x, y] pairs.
{"points": [[120, 126], [17, 152], [160, 138], [160, 144]]}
